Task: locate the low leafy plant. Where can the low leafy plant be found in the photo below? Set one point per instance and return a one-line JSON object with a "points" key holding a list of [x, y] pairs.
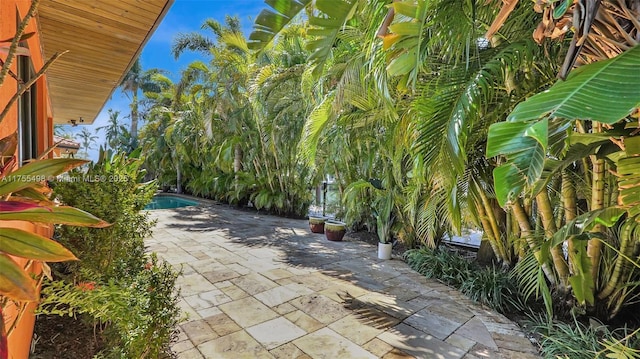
{"points": [[129, 296], [440, 264], [489, 286], [584, 340], [24, 196], [137, 315], [493, 287]]}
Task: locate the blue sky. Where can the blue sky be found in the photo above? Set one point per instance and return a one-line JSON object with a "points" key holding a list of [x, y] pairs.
{"points": [[183, 17]]}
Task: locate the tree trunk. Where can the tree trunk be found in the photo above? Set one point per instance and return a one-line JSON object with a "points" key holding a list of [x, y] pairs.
{"points": [[178, 180], [548, 222], [622, 264], [523, 221], [493, 232], [569, 203], [134, 118], [237, 158]]}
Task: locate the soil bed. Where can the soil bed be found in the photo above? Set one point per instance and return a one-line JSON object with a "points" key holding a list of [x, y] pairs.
{"points": [[65, 337]]}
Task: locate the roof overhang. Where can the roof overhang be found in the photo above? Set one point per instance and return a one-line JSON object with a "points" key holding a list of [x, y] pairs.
{"points": [[104, 38]]}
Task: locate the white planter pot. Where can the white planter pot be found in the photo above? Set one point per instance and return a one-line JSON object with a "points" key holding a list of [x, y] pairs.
{"points": [[384, 250]]}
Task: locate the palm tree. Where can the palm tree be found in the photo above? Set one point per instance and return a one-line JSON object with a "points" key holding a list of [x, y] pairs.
{"points": [[86, 139], [229, 61], [116, 135], [134, 81], [463, 89]]}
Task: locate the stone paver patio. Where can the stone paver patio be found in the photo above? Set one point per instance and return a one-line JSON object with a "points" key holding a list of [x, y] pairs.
{"points": [[259, 286]]}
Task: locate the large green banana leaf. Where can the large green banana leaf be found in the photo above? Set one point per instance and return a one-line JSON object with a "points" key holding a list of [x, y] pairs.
{"points": [[604, 91]]}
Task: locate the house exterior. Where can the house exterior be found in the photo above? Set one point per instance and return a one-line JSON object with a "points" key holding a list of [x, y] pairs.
{"points": [[65, 147], [103, 39]]}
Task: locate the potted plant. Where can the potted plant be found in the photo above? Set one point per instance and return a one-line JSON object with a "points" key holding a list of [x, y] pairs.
{"points": [[384, 221], [316, 224], [335, 230]]}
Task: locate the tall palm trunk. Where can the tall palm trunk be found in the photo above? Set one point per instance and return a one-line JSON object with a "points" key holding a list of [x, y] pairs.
{"points": [[178, 179], [237, 158], [490, 227], [134, 117], [568, 193]]}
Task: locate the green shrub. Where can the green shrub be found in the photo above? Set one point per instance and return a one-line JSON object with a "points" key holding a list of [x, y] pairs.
{"points": [[129, 296], [489, 286], [440, 264], [493, 287], [110, 190], [137, 315]]}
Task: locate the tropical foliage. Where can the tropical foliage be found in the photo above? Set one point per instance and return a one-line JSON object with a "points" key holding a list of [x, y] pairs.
{"points": [[427, 127], [552, 187]]}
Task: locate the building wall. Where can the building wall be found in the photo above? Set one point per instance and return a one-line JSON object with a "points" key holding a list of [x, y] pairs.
{"points": [[10, 10]]}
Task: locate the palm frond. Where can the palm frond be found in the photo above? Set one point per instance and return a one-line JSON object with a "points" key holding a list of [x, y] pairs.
{"points": [[190, 42], [270, 22]]}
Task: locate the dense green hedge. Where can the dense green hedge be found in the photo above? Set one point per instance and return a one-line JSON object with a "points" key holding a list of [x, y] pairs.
{"points": [[128, 295]]}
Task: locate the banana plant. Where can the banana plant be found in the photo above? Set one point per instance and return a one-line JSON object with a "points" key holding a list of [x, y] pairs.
{"points": [[581, 126]]}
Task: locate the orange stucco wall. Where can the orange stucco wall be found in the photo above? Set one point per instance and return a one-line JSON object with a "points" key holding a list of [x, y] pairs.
{"points": [[10, 10]]}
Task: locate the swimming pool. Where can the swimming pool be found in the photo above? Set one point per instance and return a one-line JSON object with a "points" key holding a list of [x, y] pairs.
{"points": [[168, 201]]}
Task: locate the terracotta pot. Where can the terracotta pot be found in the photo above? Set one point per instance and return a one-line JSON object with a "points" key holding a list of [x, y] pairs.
{"points": [[316, 224], [335, 230]]}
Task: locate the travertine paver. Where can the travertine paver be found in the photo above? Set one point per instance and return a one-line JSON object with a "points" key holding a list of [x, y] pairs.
{"points": [[258, 286], [325, 343], [275, 332]]}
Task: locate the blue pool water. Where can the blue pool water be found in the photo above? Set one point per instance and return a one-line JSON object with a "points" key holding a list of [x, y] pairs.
{"points": [[165, 202]]}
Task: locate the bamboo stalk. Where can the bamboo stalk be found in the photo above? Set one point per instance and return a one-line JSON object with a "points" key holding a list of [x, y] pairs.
{"points": [[486, 226], [621, 260], [568, 193], [594, 246], [523, 220], [499, 249], [546, 213]]}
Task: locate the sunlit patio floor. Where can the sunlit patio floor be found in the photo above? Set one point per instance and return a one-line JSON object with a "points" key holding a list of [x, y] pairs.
{"points": [[260, 286]]}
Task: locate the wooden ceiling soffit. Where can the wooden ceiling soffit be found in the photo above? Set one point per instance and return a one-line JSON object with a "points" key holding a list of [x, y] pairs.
{"points": [[104, 37]]}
